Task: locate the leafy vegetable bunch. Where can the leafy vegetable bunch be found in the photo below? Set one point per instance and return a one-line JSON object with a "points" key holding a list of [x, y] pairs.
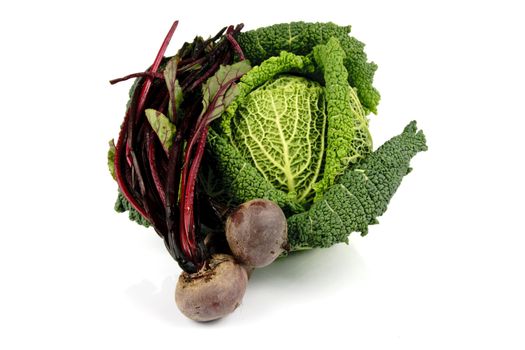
{"points": [[248, 145]]}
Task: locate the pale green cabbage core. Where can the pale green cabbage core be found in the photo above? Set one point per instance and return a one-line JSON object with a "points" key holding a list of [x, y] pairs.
{"points": [[281, 127]]}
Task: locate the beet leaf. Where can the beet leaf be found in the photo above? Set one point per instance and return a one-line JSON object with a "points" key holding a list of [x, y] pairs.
{"points": [[162, 126]]}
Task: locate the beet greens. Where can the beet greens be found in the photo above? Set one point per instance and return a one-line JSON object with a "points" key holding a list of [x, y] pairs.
{"points": [[150, 172]]}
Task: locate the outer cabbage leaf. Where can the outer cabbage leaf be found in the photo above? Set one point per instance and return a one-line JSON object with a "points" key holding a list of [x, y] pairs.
{"points": [[122, 205], [111, 159], [300, 38], [359, 196], [348, 138]]}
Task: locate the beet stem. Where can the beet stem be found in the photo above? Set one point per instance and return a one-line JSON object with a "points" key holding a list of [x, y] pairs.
{"points": [[153, 75], [150, 139], [140, 174], [235, 46], [155, 66], [128, 124], [189, 175]]}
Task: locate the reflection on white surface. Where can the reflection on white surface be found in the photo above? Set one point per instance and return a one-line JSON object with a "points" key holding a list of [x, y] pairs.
{"points": [[159, 301], [301, 278], [291, 280]]}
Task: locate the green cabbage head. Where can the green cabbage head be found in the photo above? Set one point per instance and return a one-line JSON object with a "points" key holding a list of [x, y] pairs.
{"points": [[298, 123], [297, 133]]}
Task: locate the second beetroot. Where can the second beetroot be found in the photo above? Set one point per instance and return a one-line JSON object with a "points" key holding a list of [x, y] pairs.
{"points": [[257, 232]]}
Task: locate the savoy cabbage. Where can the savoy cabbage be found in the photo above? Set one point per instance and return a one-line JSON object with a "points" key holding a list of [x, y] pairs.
{"points": [[297, 134]]}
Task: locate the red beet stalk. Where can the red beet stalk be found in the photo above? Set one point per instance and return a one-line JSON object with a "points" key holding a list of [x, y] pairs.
{"points": [[143, 170], [127, 124]]}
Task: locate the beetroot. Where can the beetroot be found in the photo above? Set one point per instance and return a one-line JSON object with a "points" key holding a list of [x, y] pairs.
{"points": [[214, 291], [257, 232]]}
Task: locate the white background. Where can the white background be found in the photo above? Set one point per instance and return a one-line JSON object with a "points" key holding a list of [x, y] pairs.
{"points": [[443, 270]]}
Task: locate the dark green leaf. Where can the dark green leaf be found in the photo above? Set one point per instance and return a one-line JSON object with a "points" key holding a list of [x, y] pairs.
{"points": [[111, 158], [359, 196], [122, 205], [300, 38]]}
